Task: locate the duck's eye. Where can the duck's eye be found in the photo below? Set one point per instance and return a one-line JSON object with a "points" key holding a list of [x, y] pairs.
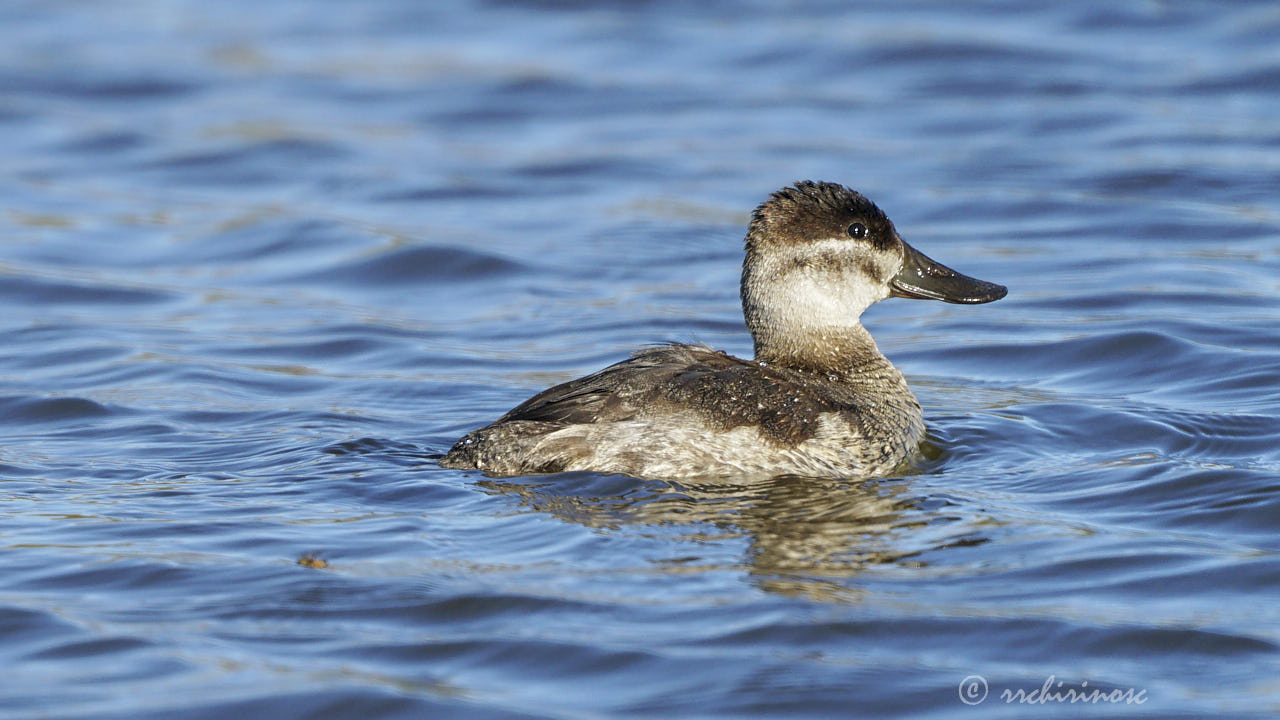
{"points": [[857, 231]]}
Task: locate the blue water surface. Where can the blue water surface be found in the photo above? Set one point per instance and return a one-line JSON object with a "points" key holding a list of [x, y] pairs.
{"points": [[261, 263]]}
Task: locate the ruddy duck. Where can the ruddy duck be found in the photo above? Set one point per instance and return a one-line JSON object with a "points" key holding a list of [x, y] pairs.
{"points": [[819, 400]]}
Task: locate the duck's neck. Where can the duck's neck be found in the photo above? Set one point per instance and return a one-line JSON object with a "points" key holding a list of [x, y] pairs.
{"points": [[847, 352]]}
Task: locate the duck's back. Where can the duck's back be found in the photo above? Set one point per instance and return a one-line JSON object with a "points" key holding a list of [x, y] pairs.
{"points": [[689, 411]]}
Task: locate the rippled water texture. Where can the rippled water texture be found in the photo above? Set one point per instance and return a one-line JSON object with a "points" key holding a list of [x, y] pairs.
{"points": [[261, 263]]}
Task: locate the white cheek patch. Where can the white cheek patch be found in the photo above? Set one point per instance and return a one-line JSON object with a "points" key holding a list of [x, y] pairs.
{"points": [[824, 301], [802, 292]]}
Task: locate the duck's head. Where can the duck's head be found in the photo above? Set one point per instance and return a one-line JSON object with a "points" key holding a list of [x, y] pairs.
{"points": [[819, 254]]}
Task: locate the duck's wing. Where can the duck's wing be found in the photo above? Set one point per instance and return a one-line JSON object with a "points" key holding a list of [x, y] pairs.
{"points": [[786, 407], [722, 390], [611, 394]]}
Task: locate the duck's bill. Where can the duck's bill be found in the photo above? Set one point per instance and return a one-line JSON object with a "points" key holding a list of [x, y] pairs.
{"points": [[923, 278]]}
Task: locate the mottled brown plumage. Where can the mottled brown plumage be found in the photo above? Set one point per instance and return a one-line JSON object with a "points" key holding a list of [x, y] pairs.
{"points": [[819, 399]]}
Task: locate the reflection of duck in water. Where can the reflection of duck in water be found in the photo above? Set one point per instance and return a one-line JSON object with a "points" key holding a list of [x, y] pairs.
{"points": [[799, 536], [819, 400]]}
